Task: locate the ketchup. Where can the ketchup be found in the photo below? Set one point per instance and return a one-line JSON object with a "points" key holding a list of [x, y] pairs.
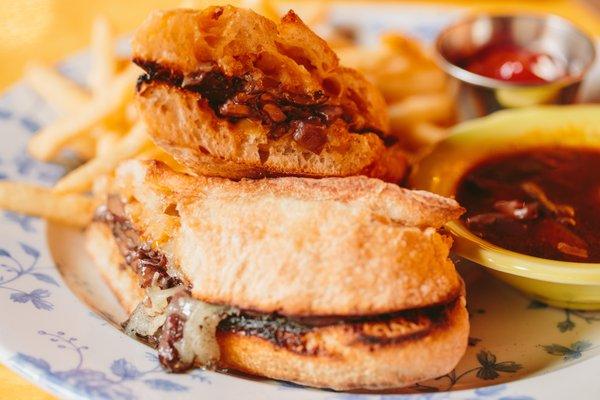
{"points": [[511, 63]]}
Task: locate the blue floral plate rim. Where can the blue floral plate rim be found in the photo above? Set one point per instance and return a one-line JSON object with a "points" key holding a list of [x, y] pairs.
{"points": [[52, 339]]}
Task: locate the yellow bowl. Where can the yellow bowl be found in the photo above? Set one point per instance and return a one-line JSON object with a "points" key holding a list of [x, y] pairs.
{"points": [[559, 283]]}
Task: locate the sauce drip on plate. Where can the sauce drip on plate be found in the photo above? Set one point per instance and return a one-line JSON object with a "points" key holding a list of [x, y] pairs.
{"points": [[543, 202], [511, 63]]}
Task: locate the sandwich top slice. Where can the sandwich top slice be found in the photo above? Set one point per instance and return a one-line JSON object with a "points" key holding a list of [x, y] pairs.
{"points": [[342, 283], [231, 93]]}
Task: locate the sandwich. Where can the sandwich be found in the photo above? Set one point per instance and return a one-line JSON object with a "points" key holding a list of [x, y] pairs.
{"points": [[341, 283], [230, 93]]}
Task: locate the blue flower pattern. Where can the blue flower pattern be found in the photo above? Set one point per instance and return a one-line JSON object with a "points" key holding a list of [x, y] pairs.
{"points": [[114, 381], [570, 352], [24, 221], [497, 392], [5, 114], [28, 168], [488, 369], [36, 297], [571, 317], [96, 384], [11, 269], [29, 124]]}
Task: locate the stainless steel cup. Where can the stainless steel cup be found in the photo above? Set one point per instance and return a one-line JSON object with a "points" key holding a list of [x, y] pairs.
{"points": [[547, 34]]}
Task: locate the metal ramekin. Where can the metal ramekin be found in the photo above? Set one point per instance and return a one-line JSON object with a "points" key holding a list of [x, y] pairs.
{"points": [[479, 95]]}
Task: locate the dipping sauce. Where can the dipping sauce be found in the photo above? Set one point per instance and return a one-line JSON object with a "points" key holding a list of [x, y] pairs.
{"points": [[511, 63], [543, 202]]}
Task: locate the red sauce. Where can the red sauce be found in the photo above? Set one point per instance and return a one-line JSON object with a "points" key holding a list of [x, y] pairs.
{"points": [[543, 202], [511, 63]]}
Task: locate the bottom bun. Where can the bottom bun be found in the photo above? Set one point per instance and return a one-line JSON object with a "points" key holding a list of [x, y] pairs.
{"points": [[378, 352]]}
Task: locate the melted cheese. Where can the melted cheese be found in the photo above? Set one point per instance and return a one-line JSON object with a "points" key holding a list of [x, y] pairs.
{"points": [[199, 342], [150, 314]]}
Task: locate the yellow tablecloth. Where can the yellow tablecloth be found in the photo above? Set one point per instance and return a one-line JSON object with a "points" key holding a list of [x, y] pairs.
{"points": [[48, 30]]}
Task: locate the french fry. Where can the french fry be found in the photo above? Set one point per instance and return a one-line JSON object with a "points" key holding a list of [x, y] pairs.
{"points": [[340, 37], [406, 46], [421, 108], [266, 8], [312, 13], [396, 87], [361, 58], [200, 4], [416, 140], [83, 146], [104, 62], [131, 113], [55, 89], [106, 141], [72, 209], [427, 134], [417, 92], [51, 139], [81, 179]]}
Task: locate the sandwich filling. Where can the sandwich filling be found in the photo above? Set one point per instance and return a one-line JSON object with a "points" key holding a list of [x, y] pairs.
{"points": [[185, 330], [303, 116]]}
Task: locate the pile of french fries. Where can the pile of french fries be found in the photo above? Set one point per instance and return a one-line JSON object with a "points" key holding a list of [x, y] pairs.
{"points": [[417, 91], [100, 126]]}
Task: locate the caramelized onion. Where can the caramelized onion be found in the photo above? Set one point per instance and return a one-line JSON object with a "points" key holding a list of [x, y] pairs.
{"points": [[274, 112], [517, 209], [310, 136], [231, 109], [183, 328], [260, 97]]}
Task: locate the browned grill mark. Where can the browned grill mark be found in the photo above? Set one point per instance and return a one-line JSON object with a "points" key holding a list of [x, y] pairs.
{"points": [[424, 322], [293, 333], [278, 330]]}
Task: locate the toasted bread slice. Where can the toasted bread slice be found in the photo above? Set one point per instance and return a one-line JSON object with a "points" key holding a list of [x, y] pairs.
{"points": [[297, 246], [378, 353], [103, 249], [231, 93]]}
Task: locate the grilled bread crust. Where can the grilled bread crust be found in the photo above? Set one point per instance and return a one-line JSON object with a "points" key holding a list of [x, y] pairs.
{"points": [[297, 246], [102, 247], [241, 43], [368, 355]]}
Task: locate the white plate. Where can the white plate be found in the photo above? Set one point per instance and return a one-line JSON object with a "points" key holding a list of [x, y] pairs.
{"points": [[519, 349]]}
